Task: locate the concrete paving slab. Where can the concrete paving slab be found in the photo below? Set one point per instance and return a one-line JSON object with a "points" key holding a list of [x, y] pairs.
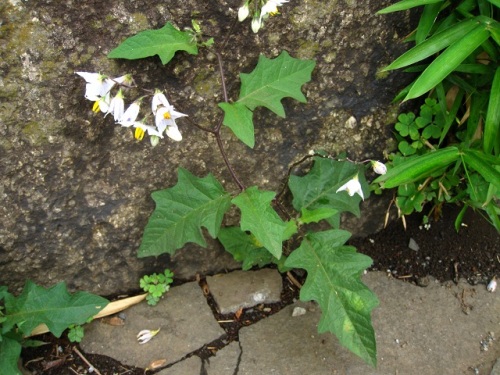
{"points": [[191, 365], [186, 323], [242, 289], [225, 362], [433, 330]]}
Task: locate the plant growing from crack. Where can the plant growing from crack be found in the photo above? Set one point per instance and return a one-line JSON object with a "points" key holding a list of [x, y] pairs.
{"points": [[269, 230]]}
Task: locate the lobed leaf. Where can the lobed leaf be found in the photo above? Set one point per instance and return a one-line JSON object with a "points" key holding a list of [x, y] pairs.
{"points": [[164, 42], [334, 281], [407, 4], [10, 351], [274, 79], [238, 118], [318, 189], [54, 307], [418, 167], [181, 212], [491, 137], [445, 63], [258, 217]]}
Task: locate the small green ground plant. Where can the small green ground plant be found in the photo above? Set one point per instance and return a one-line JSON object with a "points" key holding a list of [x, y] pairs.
{"points": [[449, 153], [270, 230], [156, 285], [54, 307]]}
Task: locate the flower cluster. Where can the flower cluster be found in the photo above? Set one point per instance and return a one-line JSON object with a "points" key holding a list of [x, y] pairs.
{"points": [[98, 89], [267, 8]]}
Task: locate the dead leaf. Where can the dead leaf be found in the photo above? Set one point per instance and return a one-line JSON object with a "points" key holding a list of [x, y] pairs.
{"points": [[238, 313], [156, 364], [113, 321]]}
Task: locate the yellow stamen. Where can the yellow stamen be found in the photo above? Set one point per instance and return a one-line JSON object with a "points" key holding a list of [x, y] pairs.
{"points": [[167, 116], [95, 107], [139, 134]]}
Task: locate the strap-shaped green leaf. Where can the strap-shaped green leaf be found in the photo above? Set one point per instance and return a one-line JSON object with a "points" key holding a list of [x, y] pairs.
{"points": [[163, 42], [445, 63], [491, 136], [334, 281], [182, 211], [474, 160], [433, 45], [427, 21], [418, 167], [495, 2], [407, 4]]}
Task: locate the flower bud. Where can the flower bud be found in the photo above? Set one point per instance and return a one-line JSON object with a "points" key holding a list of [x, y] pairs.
{"points": [[243, 12], [379, 167]]}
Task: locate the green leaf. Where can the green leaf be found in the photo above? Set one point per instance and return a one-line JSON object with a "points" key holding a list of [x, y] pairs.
{"points": [[258, 217], [491, 136], [10, 351], [446, 62], [239, 119], [245, 248], [334, 281], [495, 2], [407, 4], [318, 189], [426, 22], [475, 160], [418, 167], [316, 215], [54, 307], [164, 42], [180, 213], [274, 79], [433, 45]]}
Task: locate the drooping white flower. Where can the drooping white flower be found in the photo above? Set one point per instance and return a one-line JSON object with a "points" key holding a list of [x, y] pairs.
{"points": [[102, 104], [379, 167], [271, 7], [130, 115], [173, 133], [256, 24], [117, 106], [243, 12], [141, 128], [352, 187], [145, 335], [98, 85], [165, 113], [159, 99]]}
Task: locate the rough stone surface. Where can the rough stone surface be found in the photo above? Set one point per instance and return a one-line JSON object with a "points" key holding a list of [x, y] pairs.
{"points": [[225, 362], [243, 289], [186, 323], [75, 188], [418, 331], [191, 365]]}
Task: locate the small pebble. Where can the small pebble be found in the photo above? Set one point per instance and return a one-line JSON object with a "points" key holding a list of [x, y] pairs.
{"points": [[413, 245], [298, 311]]}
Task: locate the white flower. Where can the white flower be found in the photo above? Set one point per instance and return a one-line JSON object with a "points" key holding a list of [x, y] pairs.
{"points": [[130, 115], [98, 85], [174, 133], [243, 12], [271, 7], [102, 104], [256, 24], [352, 187], [379, 167], [492, 285], [159, 99], [165, 114], [145, 335], [117, 106], [141, 128]]}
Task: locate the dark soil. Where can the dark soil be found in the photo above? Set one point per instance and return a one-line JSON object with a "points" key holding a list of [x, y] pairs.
{"points": [[473, 253]]}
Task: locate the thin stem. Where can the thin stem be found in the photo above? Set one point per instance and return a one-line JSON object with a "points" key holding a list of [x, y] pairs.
{"points": [[226, 160]]}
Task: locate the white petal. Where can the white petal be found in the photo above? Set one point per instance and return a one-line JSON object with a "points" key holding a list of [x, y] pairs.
{"points": [[174, 133]]}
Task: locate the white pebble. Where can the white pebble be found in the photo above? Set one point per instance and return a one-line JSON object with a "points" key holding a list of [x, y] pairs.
{"points": [[298, 311]]}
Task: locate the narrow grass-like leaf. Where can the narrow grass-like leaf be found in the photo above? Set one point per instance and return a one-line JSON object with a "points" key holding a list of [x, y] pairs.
{"points": [[426, 22], [433, 45], [416, 168], [481, 165], [238, 118], [492, 123], [495, 2], [407, 4], [445, 63]]}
